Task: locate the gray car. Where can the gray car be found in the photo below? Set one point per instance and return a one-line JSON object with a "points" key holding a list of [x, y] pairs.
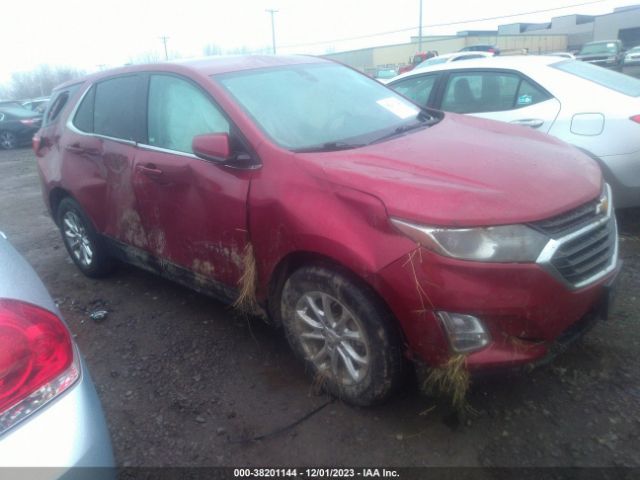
{"points": [[50, 414]]}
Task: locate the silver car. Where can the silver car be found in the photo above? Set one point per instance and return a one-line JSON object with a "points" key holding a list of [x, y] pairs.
{"points": [[592, 108], [50, 415]]}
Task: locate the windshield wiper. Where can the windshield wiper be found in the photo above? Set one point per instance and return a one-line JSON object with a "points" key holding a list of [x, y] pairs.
{"points": [[424, 120], [329, 147]]}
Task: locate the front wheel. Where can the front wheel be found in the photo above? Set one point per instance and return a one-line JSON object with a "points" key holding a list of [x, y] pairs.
{"points": [[8, 140], [344, 334], [83, 243]]}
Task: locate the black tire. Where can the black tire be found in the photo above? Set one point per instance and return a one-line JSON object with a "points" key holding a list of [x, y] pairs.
{"points": [[100, 263], [360, 310], [8, 140]]}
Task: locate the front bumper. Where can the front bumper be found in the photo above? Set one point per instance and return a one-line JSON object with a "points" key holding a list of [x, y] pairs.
{"points": [[525, 309]]}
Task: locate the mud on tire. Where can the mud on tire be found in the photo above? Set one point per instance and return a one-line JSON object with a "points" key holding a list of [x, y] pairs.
{"points": [[344, 334]]}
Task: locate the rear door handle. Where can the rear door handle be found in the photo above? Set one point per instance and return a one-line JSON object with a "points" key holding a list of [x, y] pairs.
{"points": [[80, 150], [529, 122], [150, 171]]}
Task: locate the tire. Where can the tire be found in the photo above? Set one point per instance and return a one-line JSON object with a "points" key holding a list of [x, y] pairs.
{"points": [[355, 352], [85, 247], [8, 140]]}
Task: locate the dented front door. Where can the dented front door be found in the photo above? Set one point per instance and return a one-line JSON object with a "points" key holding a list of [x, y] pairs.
{"points": [[193, 212]]}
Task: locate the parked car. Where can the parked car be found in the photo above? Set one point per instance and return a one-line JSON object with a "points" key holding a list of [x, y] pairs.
{"points": [[372, 230], [17, 126], [608, 53], [10, 103], [594, 109], [632, 57], [45, 387], [563, 55], [481, 48], [385, 74], [36, 104], [454, 57]]}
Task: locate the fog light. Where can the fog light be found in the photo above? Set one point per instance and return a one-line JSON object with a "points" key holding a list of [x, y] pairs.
{"points": [[466, 332]]}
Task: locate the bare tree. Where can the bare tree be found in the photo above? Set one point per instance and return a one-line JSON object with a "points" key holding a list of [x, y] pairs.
{"points": [[40, 81]]}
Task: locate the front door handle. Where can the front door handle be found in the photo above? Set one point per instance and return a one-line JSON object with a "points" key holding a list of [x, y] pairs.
{"points": [[529, 122]]}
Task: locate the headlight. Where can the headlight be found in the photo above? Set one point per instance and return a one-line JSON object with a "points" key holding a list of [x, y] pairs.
{"points": [[509, 243]]}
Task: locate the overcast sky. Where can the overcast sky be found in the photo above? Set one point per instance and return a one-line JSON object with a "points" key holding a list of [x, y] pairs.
{"points": [[89, 33]]}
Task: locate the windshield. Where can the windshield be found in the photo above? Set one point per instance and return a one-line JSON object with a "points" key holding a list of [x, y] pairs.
{"points": [[313, 105], [18, 111], [432, 61], [619, 82], [595, 48]]}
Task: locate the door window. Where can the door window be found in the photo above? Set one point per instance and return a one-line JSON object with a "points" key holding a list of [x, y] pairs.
{"points": [[416, 88], [477, 92], [83, 119], [178, 111], [115, 112]]}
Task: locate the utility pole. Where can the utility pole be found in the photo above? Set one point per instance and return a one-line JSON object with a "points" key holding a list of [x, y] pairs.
{"points": [[273, 28], [420, 30], [164, 41]]}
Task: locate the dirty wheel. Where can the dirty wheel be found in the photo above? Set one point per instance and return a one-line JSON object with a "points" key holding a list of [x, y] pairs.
{"points": [[8, 140], [343, 333], [81, 240]]}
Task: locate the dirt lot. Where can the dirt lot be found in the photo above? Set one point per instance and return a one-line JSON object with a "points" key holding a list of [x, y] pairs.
{"points": [[185, 381]]}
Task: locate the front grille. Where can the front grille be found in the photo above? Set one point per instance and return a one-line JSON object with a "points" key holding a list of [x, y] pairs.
{"points": [[569, 222], [583, 257]]}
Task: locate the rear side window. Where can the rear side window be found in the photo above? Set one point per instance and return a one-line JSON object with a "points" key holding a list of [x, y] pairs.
{"points": [[477, 92], [57, 104], [83, 120], [178, 111], [416, 88], [115, 107], [625, 84]]}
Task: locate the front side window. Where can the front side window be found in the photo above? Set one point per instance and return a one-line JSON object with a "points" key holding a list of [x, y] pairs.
{"points": [[116, 107], [599, 48], [417, 88], [309, 106], [179, 111]]}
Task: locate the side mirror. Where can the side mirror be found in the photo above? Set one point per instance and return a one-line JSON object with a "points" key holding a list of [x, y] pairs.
{"points": [[214, 147]]}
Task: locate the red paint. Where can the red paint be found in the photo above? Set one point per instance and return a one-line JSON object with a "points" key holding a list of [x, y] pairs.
{"points": [[460, 172]]}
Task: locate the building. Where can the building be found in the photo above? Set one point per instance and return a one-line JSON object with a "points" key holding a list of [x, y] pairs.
{"points": [[623, 24], [369, 60], [564, 33]]}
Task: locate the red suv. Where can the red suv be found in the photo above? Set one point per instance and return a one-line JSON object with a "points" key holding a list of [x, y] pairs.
{"points": [[371, 230]]}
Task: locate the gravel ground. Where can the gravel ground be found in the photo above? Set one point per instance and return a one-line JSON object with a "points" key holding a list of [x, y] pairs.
{"points": [[186, 382]]}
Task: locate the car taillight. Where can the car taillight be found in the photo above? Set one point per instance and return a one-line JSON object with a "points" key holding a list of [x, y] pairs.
{"points": [[636, 118], [37, 361]]}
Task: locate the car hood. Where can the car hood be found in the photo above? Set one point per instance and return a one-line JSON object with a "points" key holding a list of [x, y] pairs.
{"points": [[466, 171]]}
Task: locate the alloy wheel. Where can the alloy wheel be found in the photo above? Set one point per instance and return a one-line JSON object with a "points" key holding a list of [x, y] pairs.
{"points": [[333, 339], [76, 237]]}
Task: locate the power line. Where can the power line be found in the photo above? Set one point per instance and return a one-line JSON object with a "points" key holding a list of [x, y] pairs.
{"points": [[461, 22]]}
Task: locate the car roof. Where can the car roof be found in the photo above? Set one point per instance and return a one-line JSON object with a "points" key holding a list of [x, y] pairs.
{"points": [[515, 62], [208, 65]]}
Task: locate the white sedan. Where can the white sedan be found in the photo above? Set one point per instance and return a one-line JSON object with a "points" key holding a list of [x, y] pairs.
{"points": [[592, 108]]}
